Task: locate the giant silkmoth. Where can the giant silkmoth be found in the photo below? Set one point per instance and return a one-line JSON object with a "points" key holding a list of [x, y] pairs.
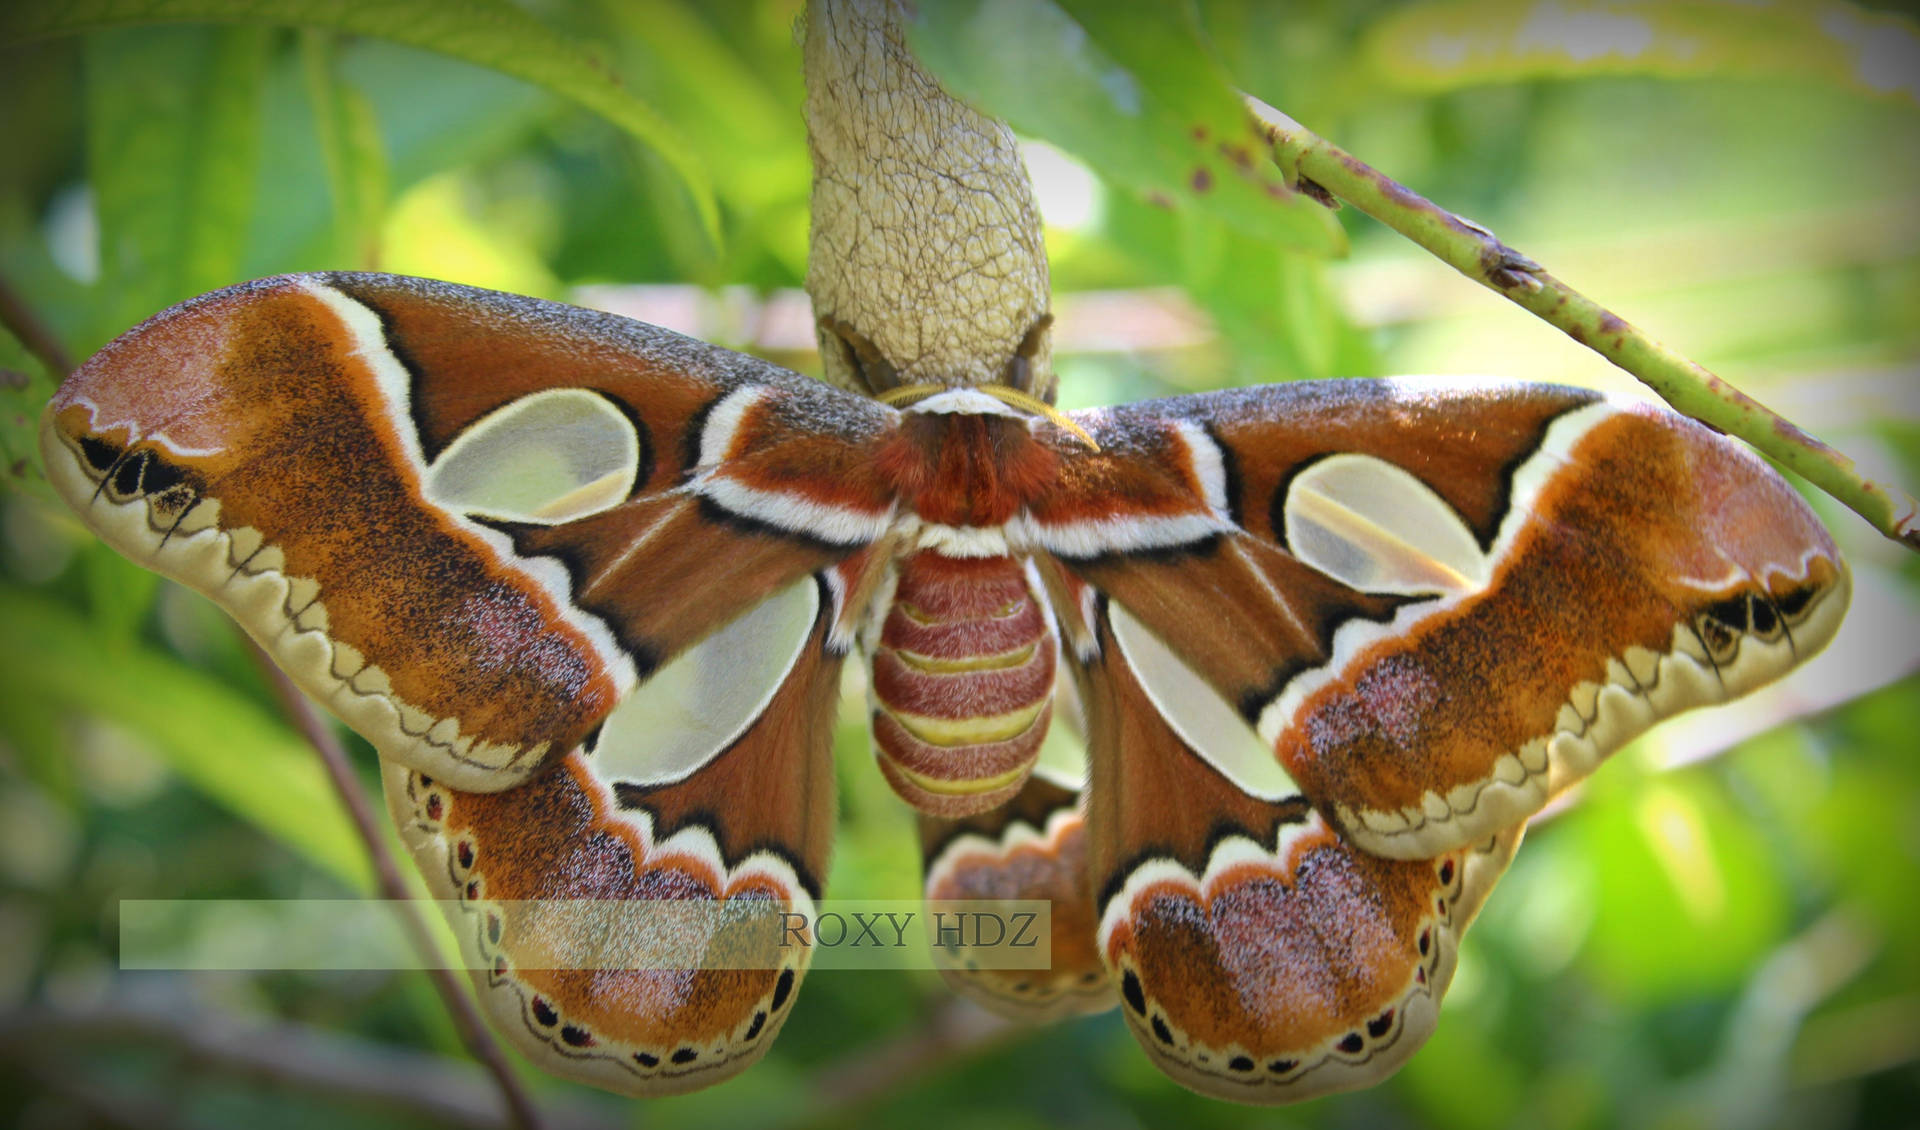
{"points": [[588, 585]]}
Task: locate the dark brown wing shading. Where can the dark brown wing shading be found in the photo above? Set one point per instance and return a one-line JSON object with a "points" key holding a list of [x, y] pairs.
{"points": [[468, 522], [1443, 604], [670, 893], [1032, 847], [1260, 956]]}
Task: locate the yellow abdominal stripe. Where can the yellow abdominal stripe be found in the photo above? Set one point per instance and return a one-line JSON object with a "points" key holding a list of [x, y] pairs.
{"points": [[965, 787], [937, 666], [970, 731]]}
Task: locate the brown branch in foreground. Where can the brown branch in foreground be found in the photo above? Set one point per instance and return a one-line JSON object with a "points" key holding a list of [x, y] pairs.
{"points": [[1319, 167], [20, 321], [284, 1055], [102, 1105], [460, 1007], [955, 1029]]}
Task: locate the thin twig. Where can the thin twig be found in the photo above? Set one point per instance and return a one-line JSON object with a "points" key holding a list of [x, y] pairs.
{"points": [[1319, 167], [281, 1054], [20, 321], [956, 1029], [101, 1104], [460, 1007]]}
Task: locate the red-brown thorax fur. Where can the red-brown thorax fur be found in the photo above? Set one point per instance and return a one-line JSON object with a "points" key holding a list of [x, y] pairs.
{"points": [[966, 470]]}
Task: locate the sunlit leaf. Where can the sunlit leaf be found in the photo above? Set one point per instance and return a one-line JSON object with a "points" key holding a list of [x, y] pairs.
{"points": [[1439, 46], [349, 138], [492, 33], [1688, 896], [1130, 91], [432, 230], [173, 134], [221, 743], [434, 113], [24, 388]]}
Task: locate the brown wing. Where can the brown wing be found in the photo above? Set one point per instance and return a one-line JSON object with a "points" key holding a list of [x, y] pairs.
{"points": [[468, 522], [1259, 955], [623, 913], [1032, 847], [1440, 604]]}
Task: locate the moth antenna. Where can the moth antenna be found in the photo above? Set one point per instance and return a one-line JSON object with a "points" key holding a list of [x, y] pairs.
{"points": [[1027, 402], [1012, 397]]}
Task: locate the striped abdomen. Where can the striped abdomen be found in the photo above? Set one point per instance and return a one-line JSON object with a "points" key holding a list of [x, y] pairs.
{"points": [[962, 682]]}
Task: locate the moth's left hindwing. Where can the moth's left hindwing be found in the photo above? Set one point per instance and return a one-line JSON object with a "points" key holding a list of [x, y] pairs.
{"points": [[468, 522], [625, 918]]}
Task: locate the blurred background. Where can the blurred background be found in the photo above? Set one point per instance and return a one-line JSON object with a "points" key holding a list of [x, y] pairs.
{"points": [[1722, 930]]}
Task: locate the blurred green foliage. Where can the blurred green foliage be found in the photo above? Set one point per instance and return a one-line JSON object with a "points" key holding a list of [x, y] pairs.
{"points": [[1732, 942]]}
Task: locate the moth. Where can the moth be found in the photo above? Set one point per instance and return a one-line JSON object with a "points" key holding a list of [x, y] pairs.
{"points": [[588, 587]]}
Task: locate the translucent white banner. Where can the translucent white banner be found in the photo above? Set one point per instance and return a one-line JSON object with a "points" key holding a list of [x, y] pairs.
{"points": [[740, 933]]}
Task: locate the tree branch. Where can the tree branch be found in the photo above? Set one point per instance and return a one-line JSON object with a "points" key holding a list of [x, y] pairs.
{"points": [[102, 1105], [1325, 171], [460, 1007], [20, 321], [955, 1030], [283, 1055]]}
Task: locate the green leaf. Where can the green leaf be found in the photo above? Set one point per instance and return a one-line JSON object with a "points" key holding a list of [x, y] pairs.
{"points": [[24, 389], [1130, 89], [1276, 314], [491, 33], [39, 748], [735, 116], [350, 147], [1462, 1081], [434, 114], [220, 742], [173, 136], [1688, 895], [1442, 46], [740, 121], [120, 594], [1302, 61]]}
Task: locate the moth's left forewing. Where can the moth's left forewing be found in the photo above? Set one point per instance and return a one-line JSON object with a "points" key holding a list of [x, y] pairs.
{"points": [[468, 522]]}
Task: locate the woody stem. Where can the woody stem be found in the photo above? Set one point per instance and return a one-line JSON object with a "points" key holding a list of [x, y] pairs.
{"points": [[1324, 170]]}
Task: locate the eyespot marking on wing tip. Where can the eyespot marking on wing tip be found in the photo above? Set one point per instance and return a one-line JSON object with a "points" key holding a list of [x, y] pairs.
{"points": [[1721, 651]]}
